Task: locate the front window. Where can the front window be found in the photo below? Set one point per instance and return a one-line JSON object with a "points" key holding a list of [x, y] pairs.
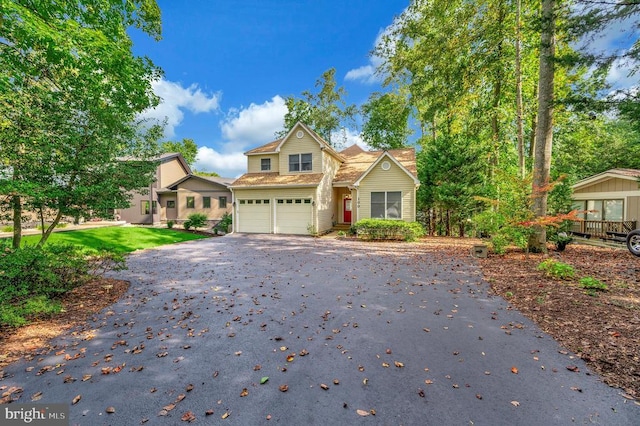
{"points": [[222, 202], [145, 207], [300, 162], [265, 164], [171, 204], [386, 205], [612, 210], [191, 202], [206, 202], [154, 207]]}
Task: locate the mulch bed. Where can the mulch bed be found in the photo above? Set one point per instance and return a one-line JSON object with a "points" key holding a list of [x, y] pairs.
{"points": [[33, 339]]}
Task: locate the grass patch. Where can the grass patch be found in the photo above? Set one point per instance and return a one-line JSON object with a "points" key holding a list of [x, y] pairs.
{"points": [[117, 239]]}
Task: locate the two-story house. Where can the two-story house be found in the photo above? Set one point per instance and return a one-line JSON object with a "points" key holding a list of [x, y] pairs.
{"points": [[176, 193], [300, 185]]}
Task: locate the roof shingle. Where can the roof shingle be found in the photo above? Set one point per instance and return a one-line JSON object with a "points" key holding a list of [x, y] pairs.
{"points": [[276, 179]]}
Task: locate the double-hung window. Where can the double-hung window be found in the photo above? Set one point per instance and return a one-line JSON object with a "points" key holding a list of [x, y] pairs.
{"points": [[386, 205], [265, 164], [300, 163]]}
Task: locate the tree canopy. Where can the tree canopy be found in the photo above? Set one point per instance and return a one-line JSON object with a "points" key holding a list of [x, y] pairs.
{"points": [[326, 111], [70, 93]]}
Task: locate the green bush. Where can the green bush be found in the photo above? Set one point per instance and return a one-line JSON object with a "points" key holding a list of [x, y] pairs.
{"points": [[225, 222], [592, 285], [387, 229], [31, 270], [170, 224], [31, 276], [555, 269], [499, 244], [7, 228], [195, 220]]}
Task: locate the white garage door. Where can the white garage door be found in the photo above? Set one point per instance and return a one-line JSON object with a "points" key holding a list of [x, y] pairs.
{"points": [[293, 216], [254, 216]]}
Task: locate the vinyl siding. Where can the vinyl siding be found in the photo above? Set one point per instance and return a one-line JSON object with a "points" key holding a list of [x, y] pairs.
{"points": [[254, 163], [610, 185], [394, 179], [305, 145], [633, 209], [326, 202]]}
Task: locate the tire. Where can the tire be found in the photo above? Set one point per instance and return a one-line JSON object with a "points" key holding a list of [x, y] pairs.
{"points": [[633, 242]]}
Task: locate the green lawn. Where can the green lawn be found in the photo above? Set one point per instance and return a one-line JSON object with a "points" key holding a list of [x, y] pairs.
{"points": [[119, 239]]}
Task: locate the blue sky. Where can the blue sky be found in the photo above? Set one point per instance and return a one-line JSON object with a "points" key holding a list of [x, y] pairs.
{"points": [[228, 65]]}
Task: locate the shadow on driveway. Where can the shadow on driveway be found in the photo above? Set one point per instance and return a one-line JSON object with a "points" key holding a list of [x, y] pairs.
{"points": [[359, 333]]}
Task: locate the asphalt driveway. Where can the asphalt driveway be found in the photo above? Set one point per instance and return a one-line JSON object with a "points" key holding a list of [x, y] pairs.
{"points": [[357, 333]]}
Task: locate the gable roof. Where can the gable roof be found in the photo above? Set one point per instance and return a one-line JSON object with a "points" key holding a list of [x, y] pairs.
{"points": [[627, 174], [224, 182], [274, 147], [358, 163]]}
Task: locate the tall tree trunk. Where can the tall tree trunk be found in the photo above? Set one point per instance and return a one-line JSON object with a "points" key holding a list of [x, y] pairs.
{"points": [[519, 106], [16, 204], [544, 131]]}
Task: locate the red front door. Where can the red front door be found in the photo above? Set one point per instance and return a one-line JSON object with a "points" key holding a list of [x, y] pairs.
{"points": [[347, 210]]}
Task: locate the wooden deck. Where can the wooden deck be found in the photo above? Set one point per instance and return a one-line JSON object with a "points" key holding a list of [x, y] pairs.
{"points": [[600, 228]]}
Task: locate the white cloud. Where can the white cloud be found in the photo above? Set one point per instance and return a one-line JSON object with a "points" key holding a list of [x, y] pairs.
{"points": [[243, 129], [620, 76], [228, 165], [255, 124], [175, 99], [365, 73], [371, 73]]}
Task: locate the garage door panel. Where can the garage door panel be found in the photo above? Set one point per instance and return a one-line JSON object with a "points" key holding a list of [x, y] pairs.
{"points": [[293, 216], [254, 216]]}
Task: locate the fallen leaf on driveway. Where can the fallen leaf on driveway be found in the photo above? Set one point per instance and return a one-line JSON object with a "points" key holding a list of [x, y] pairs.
{"points": [[398, 364], [514, 370], [573, 368], [188, 417], [515, 403], [110, 410], [362, 413], [283, 388], [76, 399], [244, 392]]}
